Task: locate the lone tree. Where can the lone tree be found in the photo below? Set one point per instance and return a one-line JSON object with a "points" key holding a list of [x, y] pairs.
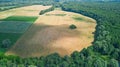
{"points": [[72, 26]]}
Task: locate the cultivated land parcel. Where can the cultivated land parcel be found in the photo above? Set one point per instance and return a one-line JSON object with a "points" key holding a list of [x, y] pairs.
{"points": [[14, 22], [50, 33]]}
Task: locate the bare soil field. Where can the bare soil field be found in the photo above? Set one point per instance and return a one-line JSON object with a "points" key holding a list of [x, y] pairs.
{"points": [[50, 33], [23, 11]]}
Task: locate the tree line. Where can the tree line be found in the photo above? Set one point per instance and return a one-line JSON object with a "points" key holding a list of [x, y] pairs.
{"points": [[46, 10], [76, 59]]}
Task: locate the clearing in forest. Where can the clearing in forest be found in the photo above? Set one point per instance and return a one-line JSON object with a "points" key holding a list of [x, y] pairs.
{"points": [[51, 33]]}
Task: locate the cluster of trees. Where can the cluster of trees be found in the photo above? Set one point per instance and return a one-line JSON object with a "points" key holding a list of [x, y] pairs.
{"points": [[46, 10], [72, 26]]}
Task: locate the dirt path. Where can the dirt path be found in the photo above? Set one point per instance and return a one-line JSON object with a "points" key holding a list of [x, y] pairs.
{"points": [[50, 33]]}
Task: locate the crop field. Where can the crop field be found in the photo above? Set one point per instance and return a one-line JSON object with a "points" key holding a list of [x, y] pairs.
{"points": [[16, 24], [13, 37], [50, 34], [23, 11], [13, 26], [20, 18]]}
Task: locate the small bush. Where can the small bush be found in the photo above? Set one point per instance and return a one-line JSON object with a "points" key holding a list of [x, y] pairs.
{"points": [[72, 26]]}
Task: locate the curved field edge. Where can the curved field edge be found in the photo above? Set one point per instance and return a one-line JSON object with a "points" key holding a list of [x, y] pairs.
{"points": [[50, 33]]}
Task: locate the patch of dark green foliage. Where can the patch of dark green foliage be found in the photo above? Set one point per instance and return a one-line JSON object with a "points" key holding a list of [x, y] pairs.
{"points": [[46, 10], [72, 26]]}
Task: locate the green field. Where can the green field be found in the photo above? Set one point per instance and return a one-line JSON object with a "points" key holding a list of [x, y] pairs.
{"points": [[11, 36], [16, 24], [12, 28], [20, 18]]}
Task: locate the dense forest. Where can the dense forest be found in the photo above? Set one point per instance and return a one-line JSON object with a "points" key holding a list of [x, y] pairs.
{"points": [[105, 51]]}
